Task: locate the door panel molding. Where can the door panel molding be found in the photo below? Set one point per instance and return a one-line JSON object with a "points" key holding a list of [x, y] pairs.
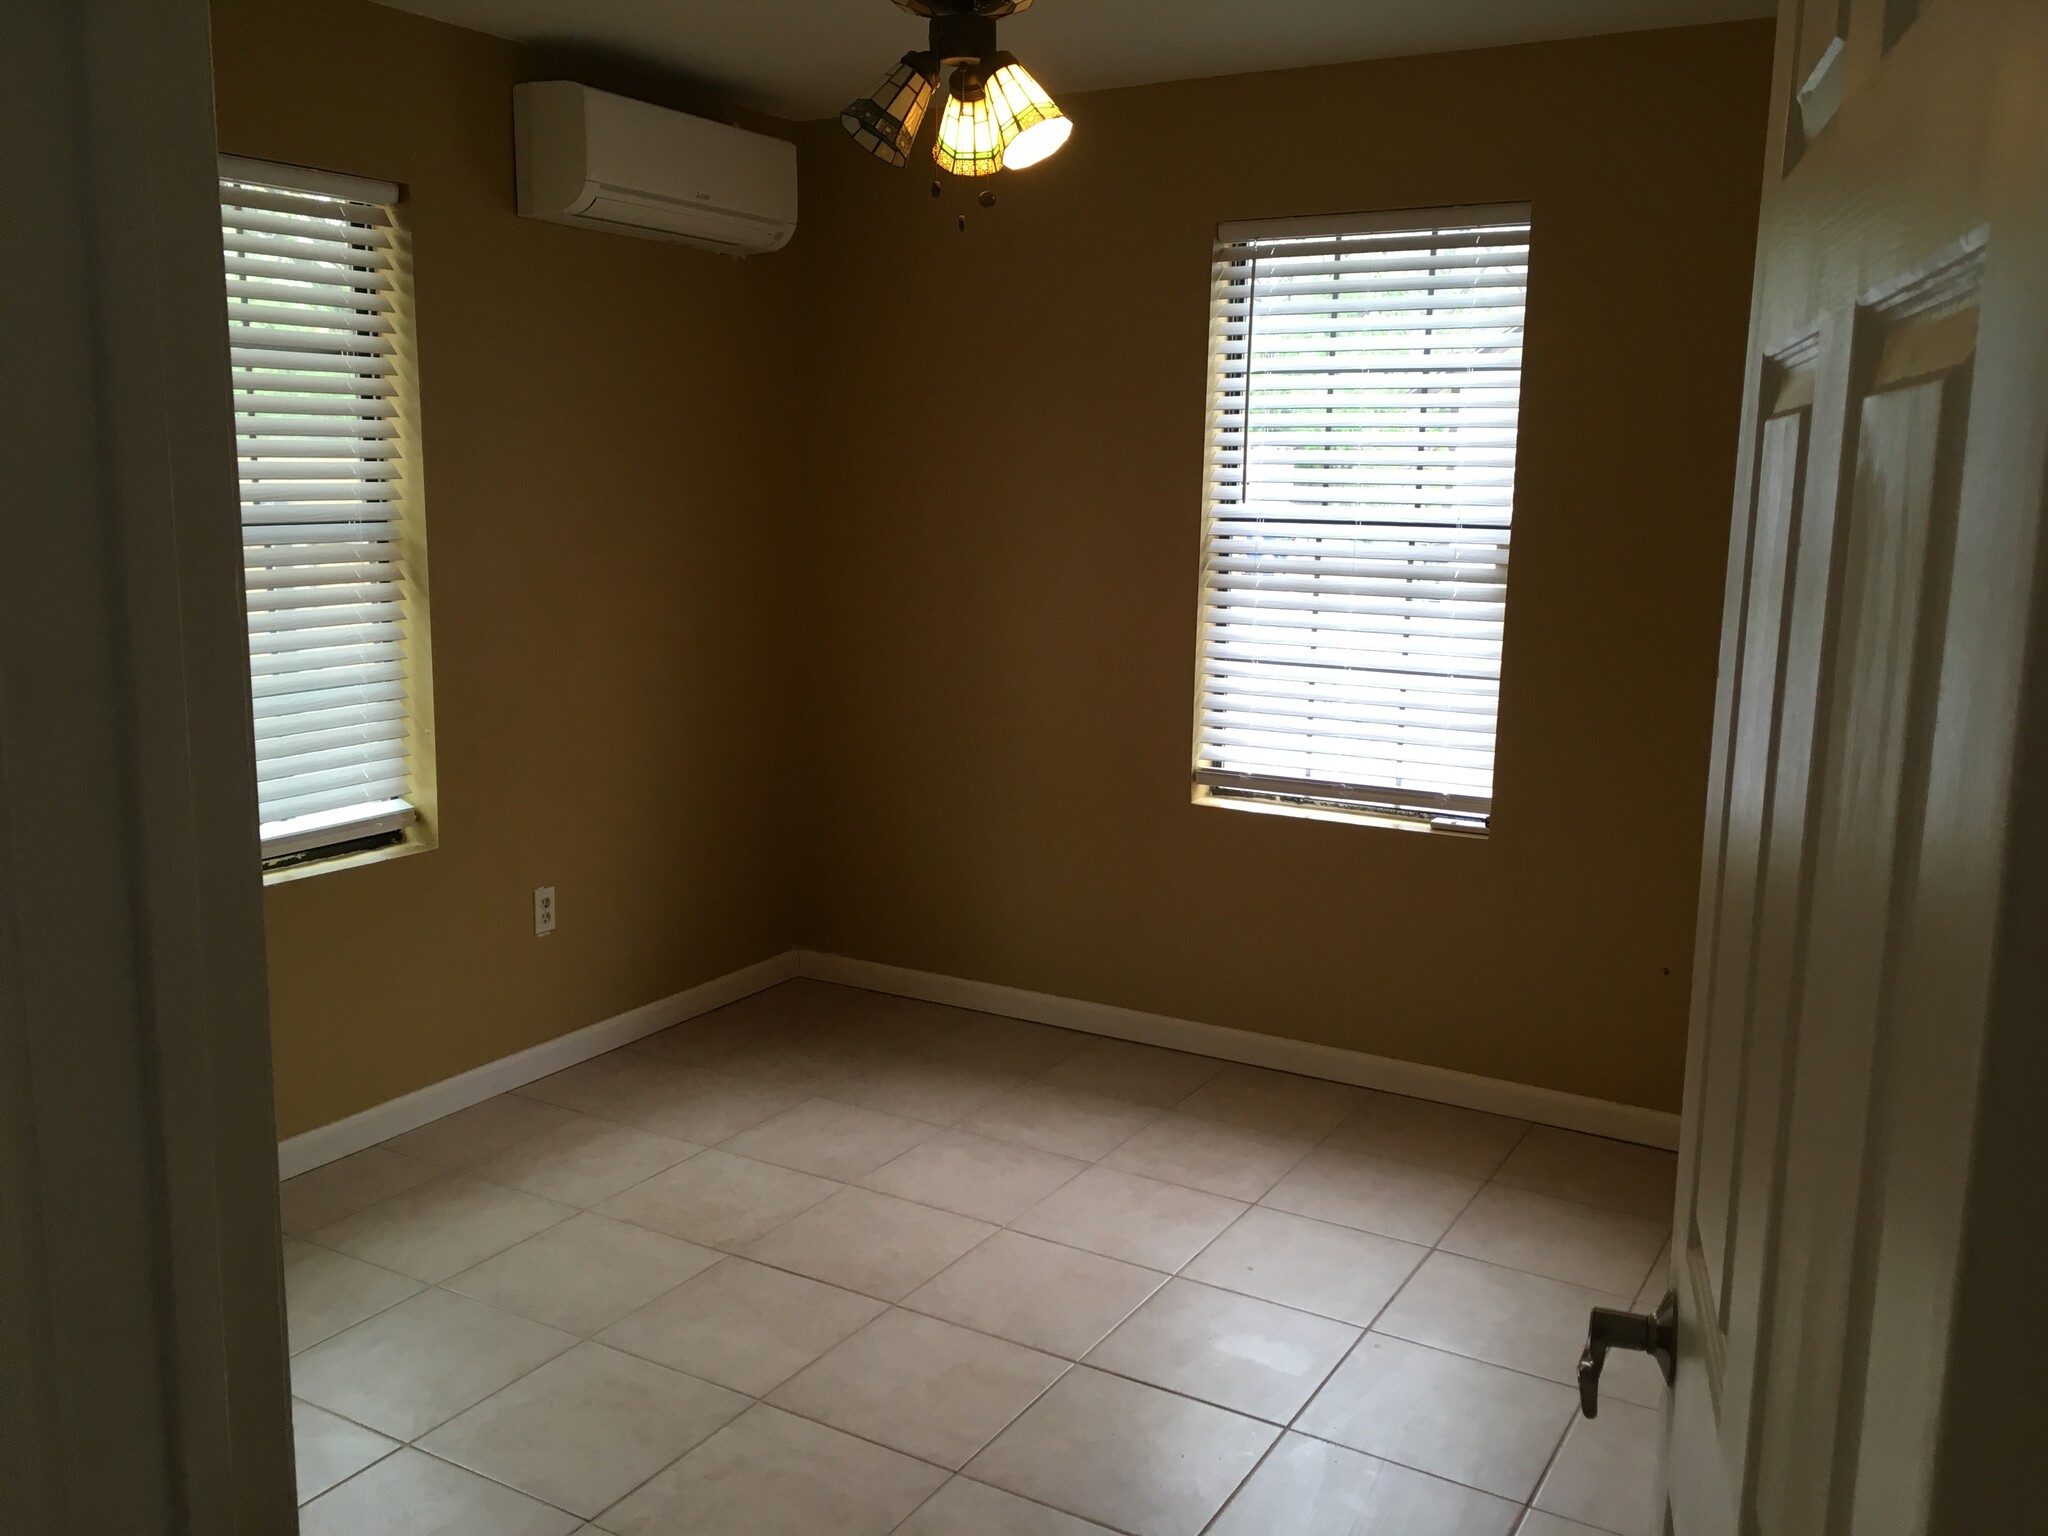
{"points": [[1854, 1167]]}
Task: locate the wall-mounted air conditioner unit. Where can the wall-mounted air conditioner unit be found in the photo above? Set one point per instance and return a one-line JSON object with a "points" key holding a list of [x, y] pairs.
{"points": [[588, 157]]}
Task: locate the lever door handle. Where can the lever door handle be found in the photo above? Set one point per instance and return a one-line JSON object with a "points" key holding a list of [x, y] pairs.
{"points": [[1655, 1334]]}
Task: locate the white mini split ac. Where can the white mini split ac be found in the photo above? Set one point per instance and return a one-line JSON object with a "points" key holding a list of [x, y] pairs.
{"points": [[588, 157]]}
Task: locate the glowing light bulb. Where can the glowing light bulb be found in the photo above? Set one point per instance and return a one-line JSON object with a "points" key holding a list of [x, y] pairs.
{"points": [[1029, 123], [969, 142]]}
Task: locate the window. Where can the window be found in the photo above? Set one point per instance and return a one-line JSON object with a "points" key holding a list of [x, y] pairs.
{"points": [[327, 456], [1365, 374]]}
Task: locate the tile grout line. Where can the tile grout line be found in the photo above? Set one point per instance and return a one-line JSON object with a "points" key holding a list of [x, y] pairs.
{"points": [[1549, 1465], [956, 1126], [1490, 1178], [888, 1305], [1281, 1430], [412, 1443], [1246, 1481]]}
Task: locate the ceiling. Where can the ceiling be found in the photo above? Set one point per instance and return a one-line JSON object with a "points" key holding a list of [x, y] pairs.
{"points": [[807, 58]]}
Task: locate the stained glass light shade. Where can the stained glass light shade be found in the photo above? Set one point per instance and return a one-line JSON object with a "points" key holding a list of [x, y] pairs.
{"points": [[1029, 123], [885, 121], [969, 143]]}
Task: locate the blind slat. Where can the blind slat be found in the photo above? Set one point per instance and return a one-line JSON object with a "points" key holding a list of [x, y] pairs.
{"points": [[295, 394], [315, 244], [286, 578], [301, 743], [322, 679], [1309, 470], [1326, 737], [279, 728], [328, 275], [360, 444], [263, 462], [364, 792], [296, 330], [258, 366], [1292, 497], [260, 493], [1255, 520], [287, 427], [267, 642], [1451, 421], [280, 664], [274, 514], [1269, 681], [1225, 705], [1320, 572], [1333, 768], [337, 297], [299, 773], [336, 699], [1278, 644], [237, 196], [341, 594], [258, 414], [1232, 600], [1361, 260]]}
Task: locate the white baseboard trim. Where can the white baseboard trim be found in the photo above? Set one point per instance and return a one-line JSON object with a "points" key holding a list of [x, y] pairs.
{"points": [[1545, 1106], [343, 1137]]}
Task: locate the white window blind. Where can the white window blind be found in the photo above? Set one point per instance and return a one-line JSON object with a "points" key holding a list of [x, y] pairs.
{"points": [[1366, 375], [313, 326]]}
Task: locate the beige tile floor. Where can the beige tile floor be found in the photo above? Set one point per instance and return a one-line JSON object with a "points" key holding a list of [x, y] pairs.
{"points": [[826, 1263]]}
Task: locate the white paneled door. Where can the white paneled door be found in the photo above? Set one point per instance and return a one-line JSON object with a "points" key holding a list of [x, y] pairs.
{"points": [[1864, 958]]}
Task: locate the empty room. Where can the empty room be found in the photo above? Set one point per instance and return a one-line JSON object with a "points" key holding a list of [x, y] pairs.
{"points": [[1024, 767]]}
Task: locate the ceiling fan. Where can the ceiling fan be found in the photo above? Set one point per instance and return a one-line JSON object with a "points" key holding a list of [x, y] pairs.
{"points": [[997, 117]]}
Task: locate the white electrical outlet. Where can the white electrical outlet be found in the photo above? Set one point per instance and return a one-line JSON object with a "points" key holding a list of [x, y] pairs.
{"points": [[543, 911]]}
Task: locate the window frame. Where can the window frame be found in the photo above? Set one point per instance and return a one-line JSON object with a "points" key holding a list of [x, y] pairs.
{"points": [[411, 824], [1318, 797]]}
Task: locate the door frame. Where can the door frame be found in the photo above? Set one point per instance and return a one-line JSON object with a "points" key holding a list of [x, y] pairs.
{"points": [[141, 1298]]}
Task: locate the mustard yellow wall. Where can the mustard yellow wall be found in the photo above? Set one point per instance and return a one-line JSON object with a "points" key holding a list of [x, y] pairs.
{"points": [[607, 430], [846, 597], [1004, 436]]}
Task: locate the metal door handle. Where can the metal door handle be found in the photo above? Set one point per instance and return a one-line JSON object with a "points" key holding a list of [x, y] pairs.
{"points": [[1654, 1334]]}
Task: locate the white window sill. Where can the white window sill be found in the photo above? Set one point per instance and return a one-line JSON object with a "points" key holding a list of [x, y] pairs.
{"points": [[416, 842], [309, 836], [1358, 816]]}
